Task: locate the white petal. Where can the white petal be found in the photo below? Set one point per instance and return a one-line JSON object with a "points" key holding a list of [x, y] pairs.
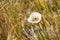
{"points": [[29, 19], [36, 14]]}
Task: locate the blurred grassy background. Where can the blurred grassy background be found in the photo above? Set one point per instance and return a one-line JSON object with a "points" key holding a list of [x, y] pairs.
{"points": [[14, 25]]}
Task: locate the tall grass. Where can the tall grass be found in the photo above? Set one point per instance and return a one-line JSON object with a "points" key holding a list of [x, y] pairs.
{"points": [[14, 25]]}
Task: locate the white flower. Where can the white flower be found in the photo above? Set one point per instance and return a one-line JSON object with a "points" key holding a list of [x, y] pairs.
{"points": [[35, 17]]}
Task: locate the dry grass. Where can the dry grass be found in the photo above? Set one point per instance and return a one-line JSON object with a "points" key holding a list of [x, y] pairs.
{"points": [[14, 25]]}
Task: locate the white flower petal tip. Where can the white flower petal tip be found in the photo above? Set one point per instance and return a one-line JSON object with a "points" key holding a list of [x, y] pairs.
{"points": [[34, 17]]}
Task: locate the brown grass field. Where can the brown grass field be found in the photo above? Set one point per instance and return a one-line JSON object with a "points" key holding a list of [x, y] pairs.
{"points": [[14, 24]]}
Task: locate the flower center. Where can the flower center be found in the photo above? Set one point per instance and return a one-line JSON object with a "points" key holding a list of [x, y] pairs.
{"points": [[35, 18]]}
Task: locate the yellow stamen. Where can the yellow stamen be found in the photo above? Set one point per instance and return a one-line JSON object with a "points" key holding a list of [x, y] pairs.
{"points": [[35, 18]]}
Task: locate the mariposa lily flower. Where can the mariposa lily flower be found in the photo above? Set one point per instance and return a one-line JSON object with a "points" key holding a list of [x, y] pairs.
{"points": [[34, 17]]}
